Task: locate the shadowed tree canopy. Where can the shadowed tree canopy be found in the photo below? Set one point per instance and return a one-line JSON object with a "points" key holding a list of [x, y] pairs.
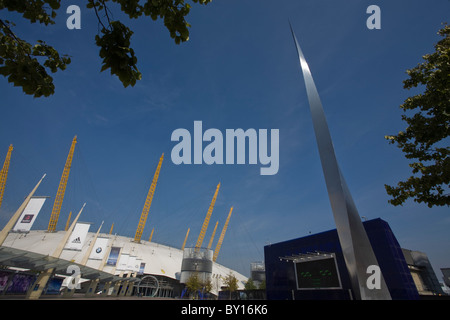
{"points": [[28, 65], [426, 138], [231, 283]]}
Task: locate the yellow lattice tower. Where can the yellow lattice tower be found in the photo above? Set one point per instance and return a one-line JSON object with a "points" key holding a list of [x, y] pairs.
{"points": [[61, 189], [222, 235], [148, 203], [4, 173], [206, 221]]}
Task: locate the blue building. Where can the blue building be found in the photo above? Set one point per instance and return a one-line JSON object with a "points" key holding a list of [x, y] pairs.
{"points": [[326, 275]]}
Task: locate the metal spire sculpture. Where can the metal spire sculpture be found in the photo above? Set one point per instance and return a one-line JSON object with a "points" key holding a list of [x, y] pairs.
{"points": [[356, 247]]}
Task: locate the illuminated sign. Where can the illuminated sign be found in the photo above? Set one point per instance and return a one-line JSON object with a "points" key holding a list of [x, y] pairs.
{"points": [[318, 273]]}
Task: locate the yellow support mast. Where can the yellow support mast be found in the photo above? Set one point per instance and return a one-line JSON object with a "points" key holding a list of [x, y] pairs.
{"points": [[185, 239], [4, 173], [212, 236], [206, 221], [151, 235], [68, 221], [148, 203], [222, 235], [61, 189]]}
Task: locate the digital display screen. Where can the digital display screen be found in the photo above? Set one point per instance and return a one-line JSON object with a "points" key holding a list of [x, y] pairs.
{"points": [[317, 274]]}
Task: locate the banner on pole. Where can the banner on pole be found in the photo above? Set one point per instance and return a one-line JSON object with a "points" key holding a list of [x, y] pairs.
{"points": [[78, 236], [100, 246], [29, 214], [122, 264]]}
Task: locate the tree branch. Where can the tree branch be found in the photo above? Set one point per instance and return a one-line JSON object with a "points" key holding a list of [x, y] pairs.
{"points": [[8, 29]]}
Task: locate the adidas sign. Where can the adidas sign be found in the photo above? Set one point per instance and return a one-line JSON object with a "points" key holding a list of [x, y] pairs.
{"points": [[76, 240]]}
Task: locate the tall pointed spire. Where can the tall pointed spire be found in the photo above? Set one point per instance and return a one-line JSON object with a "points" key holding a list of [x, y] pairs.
{"points": [[356, 247]]}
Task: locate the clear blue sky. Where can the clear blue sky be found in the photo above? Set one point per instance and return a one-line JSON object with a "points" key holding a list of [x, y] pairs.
{"points": [[238, 70]]}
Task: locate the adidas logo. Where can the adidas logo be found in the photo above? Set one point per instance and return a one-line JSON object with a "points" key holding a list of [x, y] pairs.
{"points": [[76, 240]]}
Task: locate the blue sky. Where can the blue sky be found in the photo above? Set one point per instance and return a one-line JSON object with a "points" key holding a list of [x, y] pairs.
{"points": [[238, 70]]}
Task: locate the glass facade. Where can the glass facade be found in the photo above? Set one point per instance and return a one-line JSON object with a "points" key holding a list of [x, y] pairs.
{"points": [[196, 261]]}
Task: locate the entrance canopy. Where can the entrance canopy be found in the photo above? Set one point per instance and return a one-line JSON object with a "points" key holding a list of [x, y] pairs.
{"points": [[33, 261]]}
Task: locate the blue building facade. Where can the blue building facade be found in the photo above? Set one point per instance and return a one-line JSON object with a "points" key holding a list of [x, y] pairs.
{"points": [[281, 277]]}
